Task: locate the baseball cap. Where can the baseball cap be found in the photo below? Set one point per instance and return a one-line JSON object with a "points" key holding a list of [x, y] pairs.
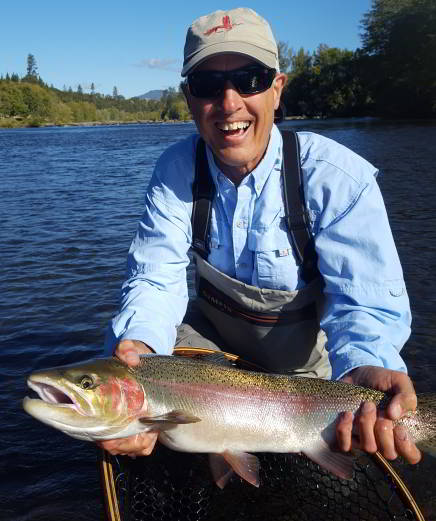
{"points": [[240, 31]]}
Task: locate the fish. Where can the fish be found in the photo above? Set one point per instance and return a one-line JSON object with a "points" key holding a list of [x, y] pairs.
{"points": [[206, 405]]}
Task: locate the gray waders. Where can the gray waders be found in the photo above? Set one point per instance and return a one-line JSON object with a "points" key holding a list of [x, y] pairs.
{"points": [[275, 329]]}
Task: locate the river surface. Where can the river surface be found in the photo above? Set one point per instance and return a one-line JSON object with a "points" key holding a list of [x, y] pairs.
{"points": [[70, 201]]}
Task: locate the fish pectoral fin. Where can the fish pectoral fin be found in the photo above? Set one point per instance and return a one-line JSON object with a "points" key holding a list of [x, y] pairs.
{"points": [[221, 470], [245, 465], [338, 463], [168, 420]]}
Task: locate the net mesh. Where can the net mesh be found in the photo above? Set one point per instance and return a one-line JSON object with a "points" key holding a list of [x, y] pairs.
{"points": [[174, 486]]}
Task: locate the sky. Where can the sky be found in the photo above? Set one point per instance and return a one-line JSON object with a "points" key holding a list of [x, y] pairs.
{"points": [[137, 46]]}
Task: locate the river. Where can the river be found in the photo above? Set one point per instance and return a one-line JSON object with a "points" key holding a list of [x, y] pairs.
{"points": [[71, 199]]}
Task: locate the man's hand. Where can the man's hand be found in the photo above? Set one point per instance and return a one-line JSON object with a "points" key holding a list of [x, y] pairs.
{"points": [[376, 430], [142, 444]]}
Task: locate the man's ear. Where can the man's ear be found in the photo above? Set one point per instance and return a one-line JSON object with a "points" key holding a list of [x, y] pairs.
{"points": [[278, 85], [185, 90]]}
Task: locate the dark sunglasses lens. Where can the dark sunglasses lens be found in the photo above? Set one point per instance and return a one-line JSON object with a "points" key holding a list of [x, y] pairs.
{"points": [[207, 84], [252, 81]]}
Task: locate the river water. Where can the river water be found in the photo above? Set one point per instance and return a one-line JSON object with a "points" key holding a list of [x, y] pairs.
{"points": [[71, 199]]}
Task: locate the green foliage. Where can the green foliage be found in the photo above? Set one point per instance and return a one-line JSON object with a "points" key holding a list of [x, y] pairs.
{"points": [[325, 84], [400, 40], [174, 106], [35, 104]]}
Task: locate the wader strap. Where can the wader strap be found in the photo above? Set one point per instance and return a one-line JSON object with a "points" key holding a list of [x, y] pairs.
{"points": [[203, 194], [295, 206]]}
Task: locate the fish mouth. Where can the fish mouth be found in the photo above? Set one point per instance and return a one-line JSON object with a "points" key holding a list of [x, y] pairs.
{"points": [[55, 395]]}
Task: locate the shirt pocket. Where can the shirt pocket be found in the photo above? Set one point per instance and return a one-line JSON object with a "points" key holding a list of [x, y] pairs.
{"points": [[275, 266]]}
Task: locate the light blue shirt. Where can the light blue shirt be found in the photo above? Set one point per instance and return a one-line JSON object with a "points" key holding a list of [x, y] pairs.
{"points": [[367, 314]]}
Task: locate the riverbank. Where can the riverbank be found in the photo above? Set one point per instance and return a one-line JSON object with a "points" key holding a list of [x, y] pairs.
{"points": [[10, 123]]}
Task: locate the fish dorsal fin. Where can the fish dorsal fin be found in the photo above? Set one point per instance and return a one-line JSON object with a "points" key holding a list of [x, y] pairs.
{"points": [[214, 358], [168, 420]]}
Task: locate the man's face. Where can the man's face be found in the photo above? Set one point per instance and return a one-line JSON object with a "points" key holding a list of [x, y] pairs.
{"points": [[237, 152]]}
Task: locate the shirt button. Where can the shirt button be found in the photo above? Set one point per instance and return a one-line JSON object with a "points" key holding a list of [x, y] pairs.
{"points": [[257, 188], [240, 224]]}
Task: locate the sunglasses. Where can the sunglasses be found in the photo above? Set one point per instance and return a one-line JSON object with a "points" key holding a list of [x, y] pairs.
{"points": [[247, 80]]}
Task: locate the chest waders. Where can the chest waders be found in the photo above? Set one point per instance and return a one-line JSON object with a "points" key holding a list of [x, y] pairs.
{"points": [[275, 329]]}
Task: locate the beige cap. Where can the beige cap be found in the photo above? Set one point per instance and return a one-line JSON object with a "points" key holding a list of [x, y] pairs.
{"points": [[240, 31]]}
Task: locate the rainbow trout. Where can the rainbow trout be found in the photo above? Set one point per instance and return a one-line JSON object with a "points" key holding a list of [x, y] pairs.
{"points": [[208, 406]]}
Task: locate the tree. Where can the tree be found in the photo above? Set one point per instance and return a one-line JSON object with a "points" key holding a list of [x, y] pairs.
{"points": [[327, 83], [285, 56], [301, 62], [79, 89], [92, 88], [32, 69], [115, 92], [399, 38]]}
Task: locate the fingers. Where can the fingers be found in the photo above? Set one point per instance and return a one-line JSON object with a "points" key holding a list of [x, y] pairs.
{"points": [[402, 403], [404, 445], [344, 431], [137, 445], [366, 420], [376, 432], [128, 351], [384, 434]]}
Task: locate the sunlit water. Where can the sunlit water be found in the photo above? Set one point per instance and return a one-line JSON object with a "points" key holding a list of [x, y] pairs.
{"points": [[71, 199]]}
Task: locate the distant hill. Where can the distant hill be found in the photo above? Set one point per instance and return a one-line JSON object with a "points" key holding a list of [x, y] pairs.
{"points": [[151, 94]]}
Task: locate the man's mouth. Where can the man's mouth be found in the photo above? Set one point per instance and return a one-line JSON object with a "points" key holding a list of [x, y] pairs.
{"points": [[234, 128]]}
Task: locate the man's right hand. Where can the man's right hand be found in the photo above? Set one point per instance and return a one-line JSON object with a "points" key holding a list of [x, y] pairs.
{"points": [[128, 351]]}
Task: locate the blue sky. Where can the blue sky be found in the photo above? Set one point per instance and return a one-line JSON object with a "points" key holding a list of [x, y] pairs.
{"points": [[138, 45]]}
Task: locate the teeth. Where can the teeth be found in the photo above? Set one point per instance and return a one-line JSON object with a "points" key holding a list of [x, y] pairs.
{"points": [[233, 126]]}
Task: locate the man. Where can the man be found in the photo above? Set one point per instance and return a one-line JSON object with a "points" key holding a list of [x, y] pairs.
{"points": [[252, 286]]}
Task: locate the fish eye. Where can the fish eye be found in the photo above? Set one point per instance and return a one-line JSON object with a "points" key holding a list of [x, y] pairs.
{"points": [[86, 382]]}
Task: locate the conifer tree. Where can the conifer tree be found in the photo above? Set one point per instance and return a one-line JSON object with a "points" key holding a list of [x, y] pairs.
{"points": [[32, 69]]}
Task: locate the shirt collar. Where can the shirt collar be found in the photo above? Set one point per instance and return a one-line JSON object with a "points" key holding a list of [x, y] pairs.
{"points": [[271, 161]]}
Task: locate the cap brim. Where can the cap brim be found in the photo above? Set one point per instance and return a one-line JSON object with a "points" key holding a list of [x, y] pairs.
{"points": [[245, 49]]}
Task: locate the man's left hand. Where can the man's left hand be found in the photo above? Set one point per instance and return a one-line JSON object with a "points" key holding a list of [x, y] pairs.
{"points": [[376, 430]]}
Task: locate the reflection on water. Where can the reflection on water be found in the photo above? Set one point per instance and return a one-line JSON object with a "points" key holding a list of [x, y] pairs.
{"points": [[71, 201]]}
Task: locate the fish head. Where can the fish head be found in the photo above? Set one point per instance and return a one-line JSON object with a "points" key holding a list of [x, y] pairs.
{"points": [[95, 400]]}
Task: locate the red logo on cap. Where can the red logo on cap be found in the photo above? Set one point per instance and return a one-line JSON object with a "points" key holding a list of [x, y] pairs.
{"points": [[227, 25]]}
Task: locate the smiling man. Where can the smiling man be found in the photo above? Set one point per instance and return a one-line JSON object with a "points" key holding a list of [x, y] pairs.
{"points": [[335, 308]]}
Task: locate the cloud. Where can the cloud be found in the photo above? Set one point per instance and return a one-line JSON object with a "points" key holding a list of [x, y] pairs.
{"points": [[159, 63]]}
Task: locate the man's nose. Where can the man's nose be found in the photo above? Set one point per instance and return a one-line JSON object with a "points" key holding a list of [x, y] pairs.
{"points": [[230, 99]]}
